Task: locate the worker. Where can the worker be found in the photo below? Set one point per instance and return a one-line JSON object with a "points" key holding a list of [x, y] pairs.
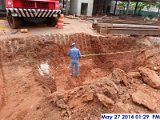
{"points": [[74, 54]]}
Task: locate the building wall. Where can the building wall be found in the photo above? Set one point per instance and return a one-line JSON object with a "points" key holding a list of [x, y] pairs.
{"points": [[76, 7], [101, 7], [73, 6], [2, 4]]}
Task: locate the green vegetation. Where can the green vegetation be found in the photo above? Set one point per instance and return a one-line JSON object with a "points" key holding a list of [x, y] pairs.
{"points": [[122, 6]]}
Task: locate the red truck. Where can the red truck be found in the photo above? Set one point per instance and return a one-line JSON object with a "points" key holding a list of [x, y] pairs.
{"points": [[33, 11]]}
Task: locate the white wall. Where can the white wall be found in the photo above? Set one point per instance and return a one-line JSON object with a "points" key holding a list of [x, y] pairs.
{"points": [[76, 7]]}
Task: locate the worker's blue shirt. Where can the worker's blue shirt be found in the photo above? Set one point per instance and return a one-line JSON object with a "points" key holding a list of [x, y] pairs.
{"points": [[74, 53]]}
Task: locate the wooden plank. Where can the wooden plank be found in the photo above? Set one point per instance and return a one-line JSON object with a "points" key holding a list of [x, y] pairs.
{"points": [[130, 31], [109, 25], [128, 22], [136, 26]]}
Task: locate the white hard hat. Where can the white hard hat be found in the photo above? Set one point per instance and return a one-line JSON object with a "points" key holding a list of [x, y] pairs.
{"points": [[73, 44]]}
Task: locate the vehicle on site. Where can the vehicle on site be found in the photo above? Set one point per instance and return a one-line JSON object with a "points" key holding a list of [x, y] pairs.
{"points": [[33, 11]]}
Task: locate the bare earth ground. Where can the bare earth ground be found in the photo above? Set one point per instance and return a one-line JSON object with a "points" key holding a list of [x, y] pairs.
{"points": [[70, 26], [126, 82]]}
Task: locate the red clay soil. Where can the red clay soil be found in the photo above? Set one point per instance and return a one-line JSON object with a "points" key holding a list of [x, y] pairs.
{"points": [[101, 88]]}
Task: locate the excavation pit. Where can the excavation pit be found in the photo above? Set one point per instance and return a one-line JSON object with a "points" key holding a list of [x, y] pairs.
{"points": [[24, 82], [100, 55]]}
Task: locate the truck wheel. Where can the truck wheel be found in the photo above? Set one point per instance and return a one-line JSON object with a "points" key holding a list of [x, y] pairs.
{"points": [[52, 21], [13, 22]]}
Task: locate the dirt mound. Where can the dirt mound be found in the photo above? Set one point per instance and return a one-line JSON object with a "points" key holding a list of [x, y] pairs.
{"points": [[106, 83], [91, 99]]}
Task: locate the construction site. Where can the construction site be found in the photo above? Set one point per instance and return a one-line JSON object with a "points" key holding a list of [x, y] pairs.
{"points": [[119, 68]]}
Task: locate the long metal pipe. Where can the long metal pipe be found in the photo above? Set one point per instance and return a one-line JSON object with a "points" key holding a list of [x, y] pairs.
{"points": [[111, 53]]}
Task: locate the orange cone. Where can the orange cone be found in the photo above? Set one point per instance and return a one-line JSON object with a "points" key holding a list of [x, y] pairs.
{"points": [[60, 22]]}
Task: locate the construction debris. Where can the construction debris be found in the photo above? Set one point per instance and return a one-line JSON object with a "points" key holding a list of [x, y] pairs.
{"points": [[72, 17], [24, 30], [128, 27]]}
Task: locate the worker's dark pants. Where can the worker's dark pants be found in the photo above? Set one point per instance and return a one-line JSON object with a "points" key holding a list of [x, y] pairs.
{"points": [[75, 63]]}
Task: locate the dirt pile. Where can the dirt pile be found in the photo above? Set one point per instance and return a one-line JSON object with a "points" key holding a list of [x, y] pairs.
{"points": [[91, 99], [107, 84]]}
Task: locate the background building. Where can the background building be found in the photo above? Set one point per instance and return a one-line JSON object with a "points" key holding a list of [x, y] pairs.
{"points": [[2, 8], [101, 7], [90, 7], [2, 4], [81, 7]]}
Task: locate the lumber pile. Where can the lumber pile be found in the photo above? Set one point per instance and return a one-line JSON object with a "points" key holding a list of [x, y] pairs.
{"points": [[127, 26]]}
